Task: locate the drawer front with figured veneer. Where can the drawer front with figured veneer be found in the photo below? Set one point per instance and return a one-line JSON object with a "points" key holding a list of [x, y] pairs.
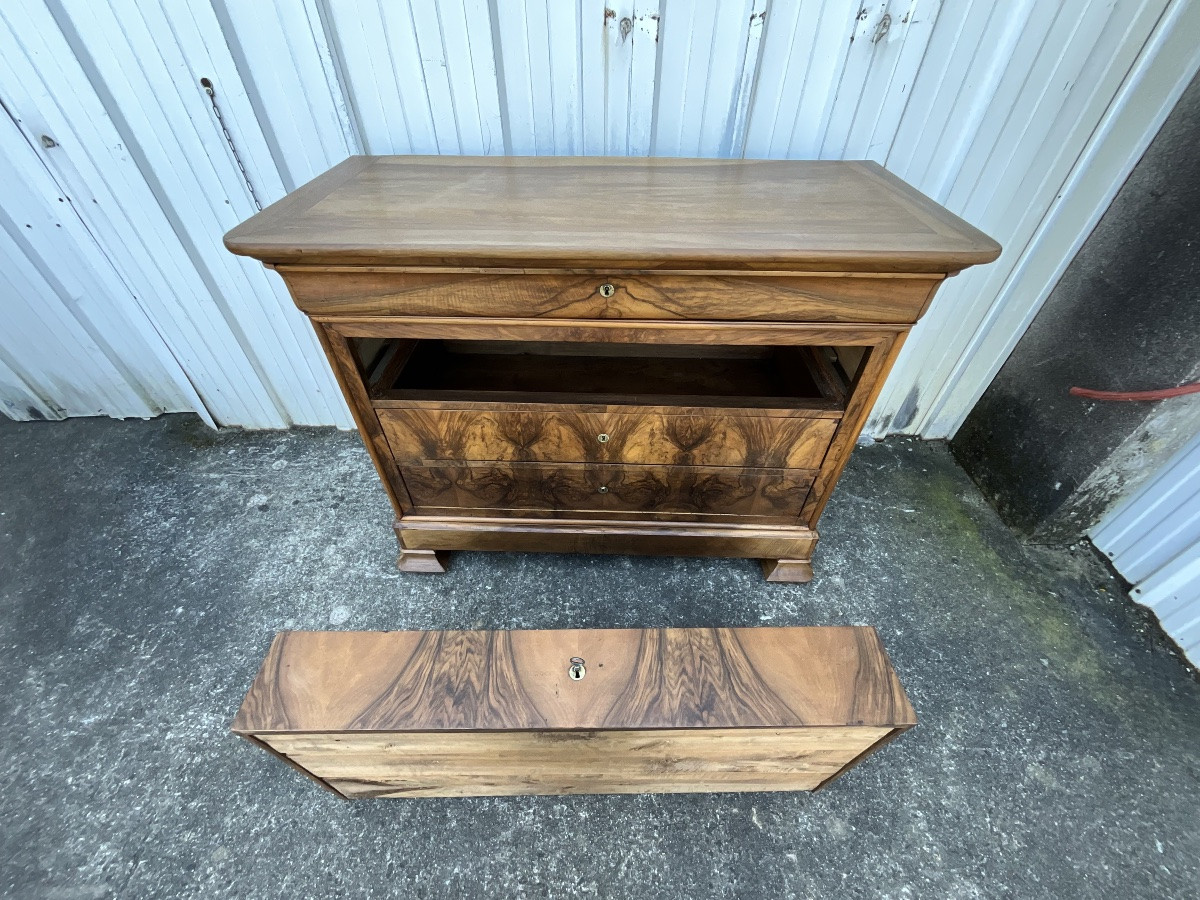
{"points": [[570, 489], [648, 437], [780, 298], [467, 713]]}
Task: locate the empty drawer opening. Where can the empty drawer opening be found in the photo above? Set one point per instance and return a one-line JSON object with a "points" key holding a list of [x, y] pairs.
{"points": [[561, 372]]}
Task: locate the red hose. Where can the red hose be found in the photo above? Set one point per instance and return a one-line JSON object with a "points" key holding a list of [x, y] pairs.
{"points": [[1133, 396]]}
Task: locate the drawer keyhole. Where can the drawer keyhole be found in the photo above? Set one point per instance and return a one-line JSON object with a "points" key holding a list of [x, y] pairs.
{"points": [[577, 669], [602, 438], [603, 489], [607, 289]]}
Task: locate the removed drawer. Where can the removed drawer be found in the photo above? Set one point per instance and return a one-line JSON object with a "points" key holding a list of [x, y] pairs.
{"points": [[647, 489], [468, 713], [881, 299], [419, 435]]}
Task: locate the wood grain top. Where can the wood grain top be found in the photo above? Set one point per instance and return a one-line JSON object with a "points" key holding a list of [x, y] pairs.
{"points": [[624, 213], [518, 680]]}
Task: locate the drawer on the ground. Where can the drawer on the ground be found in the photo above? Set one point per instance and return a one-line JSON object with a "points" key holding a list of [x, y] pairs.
{"points": [[646, 436], [874, 298], [571, 488], [462, 713]]}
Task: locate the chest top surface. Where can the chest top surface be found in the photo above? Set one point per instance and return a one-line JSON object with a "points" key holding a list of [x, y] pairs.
{"points": [[562, 212]]}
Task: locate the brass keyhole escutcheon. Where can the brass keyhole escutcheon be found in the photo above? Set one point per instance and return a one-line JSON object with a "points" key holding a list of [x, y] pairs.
{"points": [[603, 488], [607, 289], [602, 438], [577, 669]]}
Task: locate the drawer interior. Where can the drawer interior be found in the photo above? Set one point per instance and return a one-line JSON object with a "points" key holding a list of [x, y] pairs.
{"points": [[567, 372]]}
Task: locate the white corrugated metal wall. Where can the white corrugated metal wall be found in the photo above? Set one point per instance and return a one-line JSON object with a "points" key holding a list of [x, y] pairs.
{"points": [[1153, 539], [119, 298]]}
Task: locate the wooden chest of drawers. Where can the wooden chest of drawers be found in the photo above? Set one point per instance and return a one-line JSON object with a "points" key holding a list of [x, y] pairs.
{"points": [[469, 713], [610, 355]]}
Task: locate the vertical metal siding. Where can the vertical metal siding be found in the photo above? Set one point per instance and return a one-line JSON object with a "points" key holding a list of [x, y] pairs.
{"points": [[1020, 116], [47, 92], [709, 53], [1153, 539], [422, 75], [147, 58], [69, 320], [1053, 141], [308, 137]]}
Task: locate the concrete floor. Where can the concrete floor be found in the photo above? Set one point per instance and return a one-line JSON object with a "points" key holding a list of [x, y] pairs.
{"points": [[145, 566]]}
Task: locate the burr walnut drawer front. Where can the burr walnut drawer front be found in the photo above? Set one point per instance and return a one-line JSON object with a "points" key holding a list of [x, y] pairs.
{"points": [[418, 435], [466, 713], [859, 297], [571, 488]]}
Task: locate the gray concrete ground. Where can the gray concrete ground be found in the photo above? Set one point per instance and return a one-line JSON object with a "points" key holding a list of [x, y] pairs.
{"points": [[145, 566]]}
